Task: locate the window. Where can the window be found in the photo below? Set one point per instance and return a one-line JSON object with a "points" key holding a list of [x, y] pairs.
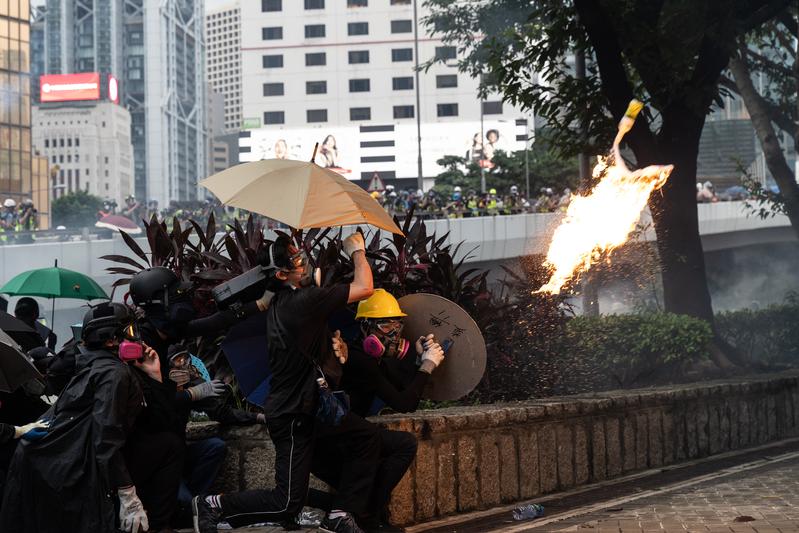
{"points": [[314, 31], [275, 61], [274, 117], [273, 89], [401, 54], [400, 2], [358, 28], [402, 84], [360, 85], [447, 110], [316, 115], [444, 53], [446, 81], [403, 111], [401, 26], [358, 56], [315, 87], [47, 143], [357, 3], [360, 113], [271, 5], [315, 59], [314, 4], [492, 108], [272, 33]]}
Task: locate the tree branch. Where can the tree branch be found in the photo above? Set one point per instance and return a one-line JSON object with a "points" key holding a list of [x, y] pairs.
{"points": [[787, 20], [758, 12], [775, 158], [616, 85]]}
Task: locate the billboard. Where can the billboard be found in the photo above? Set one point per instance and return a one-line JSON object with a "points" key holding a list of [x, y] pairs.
{"points": [[358, 152], [69, 87]]}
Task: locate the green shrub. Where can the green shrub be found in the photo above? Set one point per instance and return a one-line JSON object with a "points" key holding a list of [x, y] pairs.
{"points": [[637, 349], [765, 336]]}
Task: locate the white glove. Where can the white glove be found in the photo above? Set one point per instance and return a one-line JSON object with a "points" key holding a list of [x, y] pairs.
{"points": [[353, 243], [424, 342], [207, 389], [432, 358], [132, 516], [340, 347], [19, 431], [263, 301]]}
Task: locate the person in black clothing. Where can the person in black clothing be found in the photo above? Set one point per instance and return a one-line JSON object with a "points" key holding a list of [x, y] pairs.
{"points": [[79, 462], [27, 310], [203, 457], [169, 317], [373, 371], [299, 353]]}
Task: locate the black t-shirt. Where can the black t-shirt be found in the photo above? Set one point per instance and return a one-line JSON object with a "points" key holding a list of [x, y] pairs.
{"points": [[366, 377], [297, 332]]}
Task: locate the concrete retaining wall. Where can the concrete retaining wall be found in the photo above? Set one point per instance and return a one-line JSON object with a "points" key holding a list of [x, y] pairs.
{"points": [[479, 457]]}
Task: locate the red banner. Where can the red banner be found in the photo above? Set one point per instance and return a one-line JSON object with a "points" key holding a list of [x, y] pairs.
{"points": [[69, 87]]}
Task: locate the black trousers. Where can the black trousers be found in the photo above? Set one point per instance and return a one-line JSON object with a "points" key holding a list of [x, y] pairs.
{"points": [[302, 446], [397, 452], [155, 464]]}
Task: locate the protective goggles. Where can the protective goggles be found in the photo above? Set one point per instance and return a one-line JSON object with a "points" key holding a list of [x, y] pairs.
{"points": [[390, 327]]}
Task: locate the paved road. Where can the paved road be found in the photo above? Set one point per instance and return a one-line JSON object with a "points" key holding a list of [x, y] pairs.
{"points": [[755, 491], [750, 491], [762, 500]]}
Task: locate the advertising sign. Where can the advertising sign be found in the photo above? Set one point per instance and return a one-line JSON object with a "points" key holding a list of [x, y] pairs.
{"points": [[358, 153], [69, 87]]}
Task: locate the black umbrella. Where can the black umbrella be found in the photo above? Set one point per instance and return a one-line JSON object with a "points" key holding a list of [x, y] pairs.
{"points": [[15, 368], [23, 334]]}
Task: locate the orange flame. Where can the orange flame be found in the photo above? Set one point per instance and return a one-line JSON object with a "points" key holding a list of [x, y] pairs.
{"points": [[603, 219]]}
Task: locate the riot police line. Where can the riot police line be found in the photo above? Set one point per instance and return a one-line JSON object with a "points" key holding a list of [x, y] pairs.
{"points": [[111, 453]]}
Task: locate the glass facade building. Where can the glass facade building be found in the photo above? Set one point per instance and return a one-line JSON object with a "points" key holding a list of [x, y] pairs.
{"points": [[15, 104]]}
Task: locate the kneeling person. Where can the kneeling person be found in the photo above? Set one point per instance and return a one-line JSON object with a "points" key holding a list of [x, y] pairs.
{"points": [[371, 372]]}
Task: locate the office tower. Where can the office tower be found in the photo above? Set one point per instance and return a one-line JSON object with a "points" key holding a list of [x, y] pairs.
{"points": [[157, 51]]}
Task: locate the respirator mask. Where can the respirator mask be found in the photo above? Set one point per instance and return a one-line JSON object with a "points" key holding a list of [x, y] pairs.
{"points": [[130, 348], [385, 340]]}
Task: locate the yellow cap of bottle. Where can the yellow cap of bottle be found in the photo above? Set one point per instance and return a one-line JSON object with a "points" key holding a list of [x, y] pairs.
{"points": [[633, 108]]}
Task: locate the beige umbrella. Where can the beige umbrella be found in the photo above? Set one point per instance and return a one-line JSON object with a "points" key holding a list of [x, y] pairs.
{"points": [[298, 193]]}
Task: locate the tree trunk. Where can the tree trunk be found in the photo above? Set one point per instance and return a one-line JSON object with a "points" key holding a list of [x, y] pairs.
{"points": [[775, 158], [674, 213]]}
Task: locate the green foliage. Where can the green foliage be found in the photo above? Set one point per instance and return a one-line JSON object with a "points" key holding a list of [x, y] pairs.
{"points": [[546, 169], [766, 336], [636, 349], [76, 210]]}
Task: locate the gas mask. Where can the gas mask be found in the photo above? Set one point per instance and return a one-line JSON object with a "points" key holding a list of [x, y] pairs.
{"points": [[384, 339]]}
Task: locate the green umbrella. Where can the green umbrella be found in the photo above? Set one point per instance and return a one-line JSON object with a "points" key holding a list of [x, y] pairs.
{"points": [[54, 283]]}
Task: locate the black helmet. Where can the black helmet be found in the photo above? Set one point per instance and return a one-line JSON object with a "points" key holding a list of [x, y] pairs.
{"points": [[105, 322], [156, 285]]}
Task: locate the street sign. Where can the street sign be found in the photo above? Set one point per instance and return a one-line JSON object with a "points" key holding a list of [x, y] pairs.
{"points": [[376, 184], [250, 123]]}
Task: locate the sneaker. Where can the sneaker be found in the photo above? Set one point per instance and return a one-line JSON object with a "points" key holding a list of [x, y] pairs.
{"points": [[340, 524], [205, 517]]}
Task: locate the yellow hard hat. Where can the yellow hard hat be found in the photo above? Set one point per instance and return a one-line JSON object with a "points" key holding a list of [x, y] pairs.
{"points": [[379, 305]]}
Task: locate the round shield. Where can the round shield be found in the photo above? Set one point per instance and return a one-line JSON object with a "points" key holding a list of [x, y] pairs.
{"points": [[465, 360]]}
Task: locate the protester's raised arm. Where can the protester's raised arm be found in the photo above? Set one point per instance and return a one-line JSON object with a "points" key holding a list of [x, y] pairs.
{"points": [[362, 285]]}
